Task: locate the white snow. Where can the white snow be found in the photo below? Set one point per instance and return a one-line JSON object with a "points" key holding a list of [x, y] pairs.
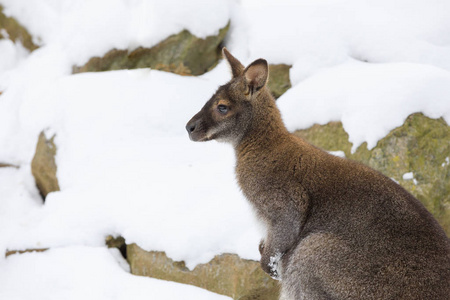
{"points": [[369, 99], [91, 28], [314, 34], [446, 162], [12, 54], [84, 273], [408, 176], [338, 153], [274, 265], [125, 164]]}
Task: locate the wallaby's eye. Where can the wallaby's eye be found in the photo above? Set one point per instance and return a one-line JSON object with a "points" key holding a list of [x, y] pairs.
{"points": [[223, 109]]}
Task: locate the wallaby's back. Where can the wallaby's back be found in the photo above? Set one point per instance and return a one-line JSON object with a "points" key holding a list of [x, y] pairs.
{"points": [[372, 239]]}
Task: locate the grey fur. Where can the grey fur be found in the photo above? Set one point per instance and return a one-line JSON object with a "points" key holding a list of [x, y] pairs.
{"points": [[336, 229]]}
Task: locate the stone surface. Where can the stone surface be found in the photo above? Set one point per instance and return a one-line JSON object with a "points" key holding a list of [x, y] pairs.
{"points": [[114, 242], [43, 166], [117, 242], [6, 165], [421, 146], [181, 53], [15, 31], [225, 274], [12, 252], [279, 81]]}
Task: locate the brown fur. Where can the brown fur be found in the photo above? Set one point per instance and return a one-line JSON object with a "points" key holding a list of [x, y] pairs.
{"points": [[336, 229]]}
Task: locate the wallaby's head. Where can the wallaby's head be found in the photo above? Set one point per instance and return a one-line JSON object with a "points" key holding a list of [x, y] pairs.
{"points": [[230, 111]]}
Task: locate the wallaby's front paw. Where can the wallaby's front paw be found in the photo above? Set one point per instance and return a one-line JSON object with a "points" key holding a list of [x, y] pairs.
{"points": [[269, 265]]}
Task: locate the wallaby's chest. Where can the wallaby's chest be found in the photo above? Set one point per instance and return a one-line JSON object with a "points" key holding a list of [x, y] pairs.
{"points": [[267, 180]]}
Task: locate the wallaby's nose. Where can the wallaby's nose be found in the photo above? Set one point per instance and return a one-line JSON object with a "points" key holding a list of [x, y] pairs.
{"points": [[193, 127], [190, 127]]}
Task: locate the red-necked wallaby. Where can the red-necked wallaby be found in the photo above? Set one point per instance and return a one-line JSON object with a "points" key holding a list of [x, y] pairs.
{"points": [[336, 229]]}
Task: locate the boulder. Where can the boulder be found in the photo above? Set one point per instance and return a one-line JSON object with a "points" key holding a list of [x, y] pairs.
{"points": [[225, 274], [6, 165], [279, 81], [12, 252], [181, 53], [43, 166], [117, 242], [15, 32], [416, 155]]}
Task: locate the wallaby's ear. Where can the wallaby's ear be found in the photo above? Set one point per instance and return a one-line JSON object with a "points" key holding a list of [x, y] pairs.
{"points": [[236, 66], [256, 75]]}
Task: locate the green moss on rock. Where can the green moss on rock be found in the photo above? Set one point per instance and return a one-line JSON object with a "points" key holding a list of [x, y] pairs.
{"points": [[331, 137], [181, 53], [421, 146], [279, 81], [225, 274], [15, 31]]}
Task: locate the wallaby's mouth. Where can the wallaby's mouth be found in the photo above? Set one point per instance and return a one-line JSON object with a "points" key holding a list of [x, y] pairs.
{"points": [[196, 137], [196, 132]]}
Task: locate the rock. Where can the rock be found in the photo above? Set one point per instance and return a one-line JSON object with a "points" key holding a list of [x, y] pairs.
{"points": [[114, 242], [5, 165], [225, 274], [15, 31], [117, 242], [181, 53], [279, 81], [43, 166], [421, 146], [12, 252]]}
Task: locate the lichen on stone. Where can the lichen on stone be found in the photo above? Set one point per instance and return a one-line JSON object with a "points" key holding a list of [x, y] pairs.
{"points": [[182, 53], [279, 81], [15, 32]]}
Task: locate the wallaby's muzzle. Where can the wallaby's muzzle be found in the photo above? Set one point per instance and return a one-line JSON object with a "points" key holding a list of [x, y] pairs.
{"points": [[194, 129], [190, 127]]}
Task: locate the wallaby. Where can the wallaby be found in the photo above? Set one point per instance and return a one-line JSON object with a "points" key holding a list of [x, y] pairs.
{"points": [[336, 229]]}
